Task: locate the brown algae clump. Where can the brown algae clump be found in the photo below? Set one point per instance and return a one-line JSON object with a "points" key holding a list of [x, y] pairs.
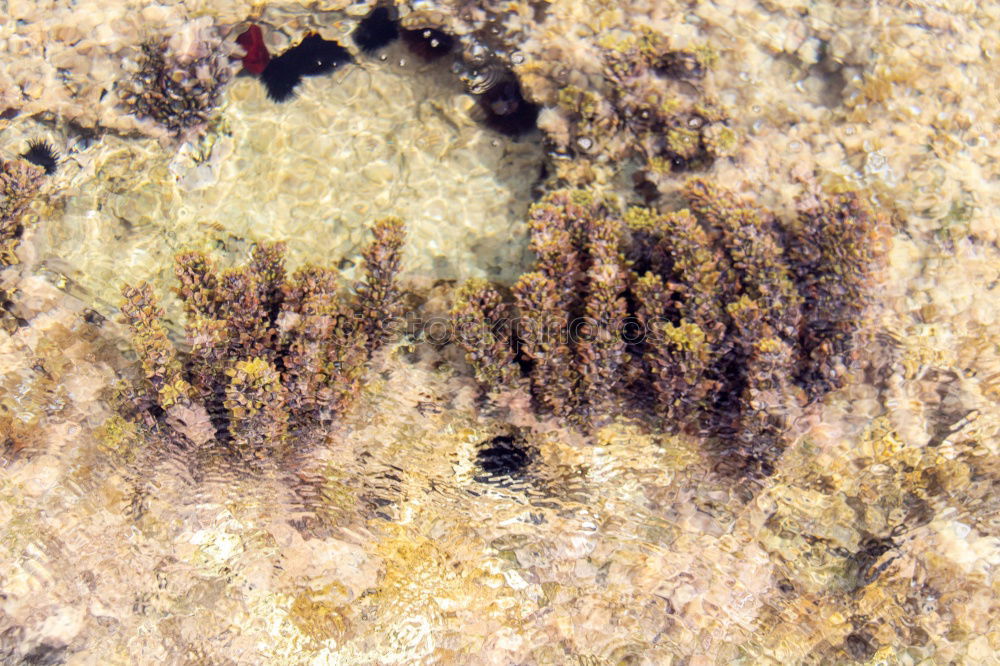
{"points": [[179, 81], [649, 103], [19, 183], [267, 357], [717, 316]]}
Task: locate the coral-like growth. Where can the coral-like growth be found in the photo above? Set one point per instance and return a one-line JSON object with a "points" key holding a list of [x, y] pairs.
{"points": [[482, 327], [256, 403], [179, 81], [652, 102], [743, 320], [266, 356], [834, 247], [161, 367], [580, 279], [554, 376], [662, 125], [378, 295], [19, 182], [600, 347]]}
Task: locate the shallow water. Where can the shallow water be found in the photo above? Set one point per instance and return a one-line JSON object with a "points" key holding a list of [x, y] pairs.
{"points": [[314, 174], [402, 534]]}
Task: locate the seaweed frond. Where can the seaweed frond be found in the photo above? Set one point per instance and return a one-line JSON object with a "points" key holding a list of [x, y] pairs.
{"points": [[482, 321], [19, 183], [267, 357], [378, 294], [741, 320]]}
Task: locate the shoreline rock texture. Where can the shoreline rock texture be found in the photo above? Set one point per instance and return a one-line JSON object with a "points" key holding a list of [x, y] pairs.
{"points": [[874, 540]]}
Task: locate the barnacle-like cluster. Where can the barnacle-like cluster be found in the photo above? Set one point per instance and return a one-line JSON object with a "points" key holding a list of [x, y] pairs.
{"points": [[717, 316], [266, 357], [179, 81], [19, 182], [649, 104]]}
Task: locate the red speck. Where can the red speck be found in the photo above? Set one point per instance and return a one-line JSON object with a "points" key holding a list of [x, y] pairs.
{"points": [[257, 56]]}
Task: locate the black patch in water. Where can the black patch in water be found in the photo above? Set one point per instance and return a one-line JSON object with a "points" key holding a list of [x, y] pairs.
{"points": [[507, 111], [93, 317], [317, 56], [45, 655], [41, 153], [503, 457], [859, 647], [680, 65], [376, 30], [313, 56], [428, 43]]}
